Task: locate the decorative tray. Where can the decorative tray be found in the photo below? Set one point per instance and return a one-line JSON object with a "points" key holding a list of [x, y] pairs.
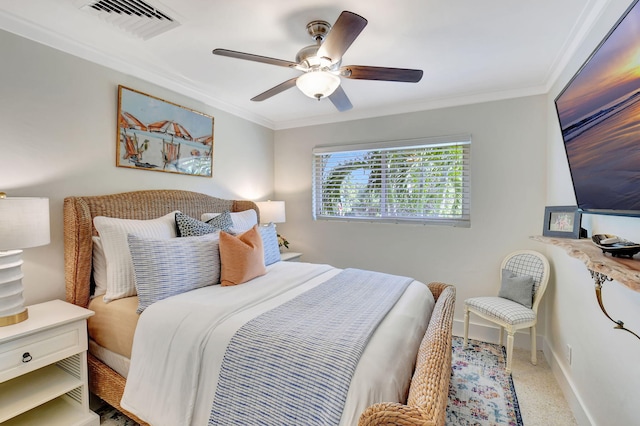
{"points": [[619, 248]]}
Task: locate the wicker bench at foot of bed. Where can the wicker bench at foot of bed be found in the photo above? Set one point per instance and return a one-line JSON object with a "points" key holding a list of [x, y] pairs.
{"points": [[429, 391]]}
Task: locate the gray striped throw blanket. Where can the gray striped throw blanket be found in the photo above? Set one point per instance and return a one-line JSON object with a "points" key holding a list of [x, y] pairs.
{"points": [[293, 365]]}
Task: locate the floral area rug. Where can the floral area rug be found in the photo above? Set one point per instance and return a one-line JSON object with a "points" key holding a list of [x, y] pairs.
{"points": [[480, 392], [109, 416]]}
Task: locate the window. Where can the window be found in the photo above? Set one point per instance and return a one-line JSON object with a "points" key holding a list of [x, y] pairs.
{"points": [[416, 181]]}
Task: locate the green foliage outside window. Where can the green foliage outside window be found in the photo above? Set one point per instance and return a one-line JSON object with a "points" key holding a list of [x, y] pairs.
{"points": [[408, 183]]}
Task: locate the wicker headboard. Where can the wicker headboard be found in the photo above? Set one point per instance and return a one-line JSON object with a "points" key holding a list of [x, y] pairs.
{"points": [[78, 225]]}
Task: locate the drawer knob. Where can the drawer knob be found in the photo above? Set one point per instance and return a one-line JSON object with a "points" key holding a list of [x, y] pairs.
{"points": [[26, 357]]}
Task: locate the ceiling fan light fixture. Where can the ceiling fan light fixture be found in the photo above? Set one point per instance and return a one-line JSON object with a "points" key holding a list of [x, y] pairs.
{"points": [[320, 63], [318, 84]]}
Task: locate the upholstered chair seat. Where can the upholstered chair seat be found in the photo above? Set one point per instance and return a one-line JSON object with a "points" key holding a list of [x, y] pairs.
{"points": [[503, 309]]}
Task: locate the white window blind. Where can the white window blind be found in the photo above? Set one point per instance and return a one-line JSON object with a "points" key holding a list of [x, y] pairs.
{"points": [[419, 181]]}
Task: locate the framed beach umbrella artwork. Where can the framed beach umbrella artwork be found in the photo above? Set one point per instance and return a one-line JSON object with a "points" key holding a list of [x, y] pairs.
{"points": [[157, 135]]}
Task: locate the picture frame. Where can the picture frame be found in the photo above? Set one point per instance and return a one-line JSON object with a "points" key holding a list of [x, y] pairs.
{"points": [[158, 135], [562, 222]]}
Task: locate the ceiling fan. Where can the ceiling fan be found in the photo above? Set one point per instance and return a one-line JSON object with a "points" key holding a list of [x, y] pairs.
{"points": [[321, 63]]}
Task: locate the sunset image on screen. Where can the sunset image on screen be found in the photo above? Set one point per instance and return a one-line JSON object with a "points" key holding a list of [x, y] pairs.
{"points": [[599, 116]]}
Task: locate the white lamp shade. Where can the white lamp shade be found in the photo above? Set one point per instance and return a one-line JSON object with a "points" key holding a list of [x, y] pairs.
{"points": [[24, 222], [318, 84], [272, 211]]}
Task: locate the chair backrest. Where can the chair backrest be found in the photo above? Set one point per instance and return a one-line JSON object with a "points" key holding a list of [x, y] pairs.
{"points": [[529, 262]]}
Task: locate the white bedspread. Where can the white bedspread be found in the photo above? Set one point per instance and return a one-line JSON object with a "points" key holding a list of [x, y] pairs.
{"points": [[180, 342]]}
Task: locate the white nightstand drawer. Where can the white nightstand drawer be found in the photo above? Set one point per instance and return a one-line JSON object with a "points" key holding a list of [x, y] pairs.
{"points": [[51, 387], [31, 352]]}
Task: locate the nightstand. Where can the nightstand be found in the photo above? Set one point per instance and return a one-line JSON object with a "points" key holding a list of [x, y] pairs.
{"points": [[290, 256], [43, 368]]}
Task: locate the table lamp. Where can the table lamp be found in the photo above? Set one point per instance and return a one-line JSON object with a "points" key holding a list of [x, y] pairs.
{"points": [[272, 211], [24, 223]]}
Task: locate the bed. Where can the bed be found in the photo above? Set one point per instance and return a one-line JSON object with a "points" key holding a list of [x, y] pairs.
{"points": [[423, 403]]}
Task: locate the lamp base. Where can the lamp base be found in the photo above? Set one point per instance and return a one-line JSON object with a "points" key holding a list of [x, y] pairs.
{"points": [[12, 309], [14, 319]]}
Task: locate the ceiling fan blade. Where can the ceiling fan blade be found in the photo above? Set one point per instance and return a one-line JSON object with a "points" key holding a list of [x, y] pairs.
{"points": [[363, 72], [275, 90], [340, 100], [255, 58], [342, 34]]}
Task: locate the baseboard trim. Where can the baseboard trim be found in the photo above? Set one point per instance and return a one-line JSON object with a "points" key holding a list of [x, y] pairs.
{"points": [[581, 414]]}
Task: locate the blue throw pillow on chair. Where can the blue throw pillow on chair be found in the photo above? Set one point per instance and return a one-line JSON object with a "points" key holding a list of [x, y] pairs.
{"points": [[518, 288]]}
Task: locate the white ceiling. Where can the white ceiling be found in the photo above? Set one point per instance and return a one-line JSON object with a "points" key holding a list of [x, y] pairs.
{"points": [[470, 50]]}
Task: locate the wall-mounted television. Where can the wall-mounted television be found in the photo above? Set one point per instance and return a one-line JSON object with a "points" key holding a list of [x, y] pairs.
{"points": [[599, 114]]}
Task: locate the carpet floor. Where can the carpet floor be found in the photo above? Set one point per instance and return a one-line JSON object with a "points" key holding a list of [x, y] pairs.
{"points": [[480, 392]]}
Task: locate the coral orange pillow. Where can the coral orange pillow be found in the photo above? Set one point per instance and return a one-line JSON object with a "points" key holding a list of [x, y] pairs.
{"points": [[241, 257]]}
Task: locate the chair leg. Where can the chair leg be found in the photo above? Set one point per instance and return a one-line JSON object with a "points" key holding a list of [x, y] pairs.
{"points": [[500, 338], [466, 327], [510, 334], [534, 352]]}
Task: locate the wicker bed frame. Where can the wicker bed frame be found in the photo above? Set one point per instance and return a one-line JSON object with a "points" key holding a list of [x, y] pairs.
{"points": [[428, 394]]}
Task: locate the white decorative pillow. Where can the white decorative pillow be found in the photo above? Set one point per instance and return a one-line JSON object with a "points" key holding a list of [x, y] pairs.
{"points": [[270, 243], [99, 267], [242, 221], [113, 234], [208, 216], [164, 268]]}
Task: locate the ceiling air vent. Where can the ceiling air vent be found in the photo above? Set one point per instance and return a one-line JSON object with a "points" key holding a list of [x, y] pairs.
{"points": [[134, 16]]}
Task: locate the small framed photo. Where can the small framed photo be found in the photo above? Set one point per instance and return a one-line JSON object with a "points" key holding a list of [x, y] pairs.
{"points": [[562, 222]]}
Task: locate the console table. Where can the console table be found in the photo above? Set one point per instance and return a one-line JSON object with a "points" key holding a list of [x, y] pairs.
{"points": [[602, 268]]}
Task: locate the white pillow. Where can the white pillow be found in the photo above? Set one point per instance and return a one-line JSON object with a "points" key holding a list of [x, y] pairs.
{"points": [[242, 221], [99, 264], [113, 233], [208, 216], [164, 268]]}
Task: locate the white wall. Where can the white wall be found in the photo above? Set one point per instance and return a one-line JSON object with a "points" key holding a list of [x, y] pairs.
{"points": [[58, 138], [57, 121], [602, 381], [508, 190]]}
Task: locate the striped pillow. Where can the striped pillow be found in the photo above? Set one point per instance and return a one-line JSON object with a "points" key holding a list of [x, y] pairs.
{"points": [[113, 234], [270, 244], [164, 268]]}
